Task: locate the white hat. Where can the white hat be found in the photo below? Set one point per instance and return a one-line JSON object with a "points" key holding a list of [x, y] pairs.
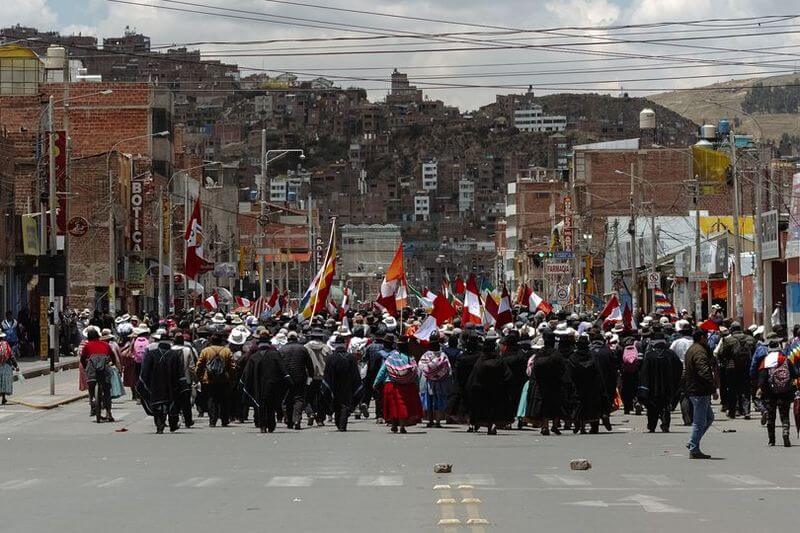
{"points": [[118, 320], [159, 334], [390, 322], [542, 327], [244, 329], [619, 328], [563, 331], [251, 320], [279, 339], [126, 317], [753, 327], [682, 325], [759, 330], [141, 330], [664, 320], [218, 319], [86, 330], [343, 331], [647, 319], [237, 336], [447, 329]]}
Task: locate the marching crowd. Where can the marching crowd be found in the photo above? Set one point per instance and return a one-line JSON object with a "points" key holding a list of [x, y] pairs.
{"points": [[561, 372]]}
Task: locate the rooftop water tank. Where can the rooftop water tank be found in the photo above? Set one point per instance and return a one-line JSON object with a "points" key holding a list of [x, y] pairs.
{"points": [[55, 58], [724, 127], [647, 119], [708, 131]]}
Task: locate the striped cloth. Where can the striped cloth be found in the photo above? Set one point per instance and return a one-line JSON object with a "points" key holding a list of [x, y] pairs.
{"points": [[6, 379]]}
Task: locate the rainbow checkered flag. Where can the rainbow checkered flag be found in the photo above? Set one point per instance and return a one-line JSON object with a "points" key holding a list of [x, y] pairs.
{"points": [[663, 305]]}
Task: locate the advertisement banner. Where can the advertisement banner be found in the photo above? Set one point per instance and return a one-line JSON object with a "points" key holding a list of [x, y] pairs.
{"points": [[557, 269], [60, 145], [793, 240], [770, 236], [30, 236]]}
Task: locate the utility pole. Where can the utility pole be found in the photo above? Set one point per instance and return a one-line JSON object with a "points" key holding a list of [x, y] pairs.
{"points": [[53, 205], [185, 242], [654, 251], [161, 299], [759, 270], [698, 291], [171, 293], [262, 282], [632, 231], [737, 260]]}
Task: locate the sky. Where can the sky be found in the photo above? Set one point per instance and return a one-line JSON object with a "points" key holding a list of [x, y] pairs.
{"points": [[500, 61]]}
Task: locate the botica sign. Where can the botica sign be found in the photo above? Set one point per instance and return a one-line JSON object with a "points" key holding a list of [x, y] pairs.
{"points": [[137, 217]]}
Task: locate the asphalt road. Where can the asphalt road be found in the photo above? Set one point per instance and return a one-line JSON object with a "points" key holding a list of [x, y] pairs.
{"points": [[62, 472]]}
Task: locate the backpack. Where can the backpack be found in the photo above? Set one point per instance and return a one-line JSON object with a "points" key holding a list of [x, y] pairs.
{"points": [[743, 353], [437, 369], [10, 329], [630, 359], [779, 378], [215, 369], [401, 371]]}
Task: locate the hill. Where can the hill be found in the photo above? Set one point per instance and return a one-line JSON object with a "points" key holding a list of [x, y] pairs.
{"points": [[769, 103]]}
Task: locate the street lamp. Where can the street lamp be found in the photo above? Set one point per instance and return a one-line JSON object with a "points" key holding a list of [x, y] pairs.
{"points": [[112, 259], [265, 161]]}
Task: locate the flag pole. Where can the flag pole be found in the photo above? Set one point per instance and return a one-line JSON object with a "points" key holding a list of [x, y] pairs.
{"points": [[315, 294]]}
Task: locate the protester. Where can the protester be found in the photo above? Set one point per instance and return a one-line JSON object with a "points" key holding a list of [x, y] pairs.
{"points": [[400, 394], [215, 369], [489, 390], [659, 382], [163, 383], [297, 360], [265, 381], [776, 384], [95, 358], [700, 385], [343, 381], [435, 374], [587, 381]]}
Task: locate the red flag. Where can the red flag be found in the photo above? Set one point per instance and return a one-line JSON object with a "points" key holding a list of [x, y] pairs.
{"points": [[611, 305], [523, 294], [472, 303], [491, 306], [458, 285], [195, 261], [242, 302], [212, 302], [442, 310]]}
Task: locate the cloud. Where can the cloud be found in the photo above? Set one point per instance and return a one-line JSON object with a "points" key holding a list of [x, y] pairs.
{"points": [[34, 13]]}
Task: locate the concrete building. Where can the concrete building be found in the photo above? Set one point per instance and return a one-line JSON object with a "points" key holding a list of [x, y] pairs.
{"points": [[367, 251], [430, 175], [532, 118], [422, 207], [466, 195]]}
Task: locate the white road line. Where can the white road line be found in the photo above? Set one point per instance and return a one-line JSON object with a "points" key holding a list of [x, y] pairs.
{"points": [[5, 415], [740, 479], [471, 479], [116, 482], [199, 482], [650, 480], [15, 484], [290, 481], [380, 481], [570, 481]]}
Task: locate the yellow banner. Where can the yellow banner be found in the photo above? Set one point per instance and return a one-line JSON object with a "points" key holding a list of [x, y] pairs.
{"points": [[30, 236], [711, 168], [710, 225]]}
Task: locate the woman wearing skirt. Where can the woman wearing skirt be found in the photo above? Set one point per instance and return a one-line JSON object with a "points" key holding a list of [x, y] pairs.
{"points": [[7, 366], [398, 375]]}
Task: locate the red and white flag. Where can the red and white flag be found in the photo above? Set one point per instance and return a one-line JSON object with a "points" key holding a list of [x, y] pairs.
{"points": [[394, 292], [524, 294], [442, 310], [537, 303], [504, 315], [242, 302], [345, 303], [471, 313], [195, 260], [212, 302]]}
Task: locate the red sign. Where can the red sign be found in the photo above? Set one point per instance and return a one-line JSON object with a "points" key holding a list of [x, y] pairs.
{"points": [[78, 226], [136, 228], [60, 145]]}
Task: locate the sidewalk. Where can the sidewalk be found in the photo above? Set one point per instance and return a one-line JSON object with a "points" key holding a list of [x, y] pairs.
{"points": [[32, 368], [66, 392]]}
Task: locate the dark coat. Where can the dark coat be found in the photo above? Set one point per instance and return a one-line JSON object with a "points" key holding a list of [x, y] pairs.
{"points": [[489, 390], [698, 372], [298, 362], [374, 356], [587, 380], [660, 376], [517, 362], [162, 379], [457, 402], [265, 377], [342, 377], [550, 393], [606, 361]]}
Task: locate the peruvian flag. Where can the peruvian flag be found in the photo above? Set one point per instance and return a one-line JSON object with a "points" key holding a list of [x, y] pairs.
{"points": [[274, 303], [458, 285], [537, 303], [490, 309], [212, 302], [611, 306], [472, 303], [504, 315], [345, 303], [242, 302], [394, 294], [195, 261], [442, 311]]}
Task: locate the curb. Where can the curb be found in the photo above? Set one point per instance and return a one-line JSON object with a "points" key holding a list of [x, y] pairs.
{"points": [[45, 370], [51, 405]]}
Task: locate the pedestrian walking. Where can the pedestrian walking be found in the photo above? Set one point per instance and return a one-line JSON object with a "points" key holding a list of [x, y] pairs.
{"points": [[489, 390], [265, 381], [587, 381], [8, 364], [434, 367], [659, 382], [343, 380], [700, 385], [776, 384], [215, 369], [95, 358], [163, 384], [297, 360], [189, 364], [550, 392], [398, 378]]}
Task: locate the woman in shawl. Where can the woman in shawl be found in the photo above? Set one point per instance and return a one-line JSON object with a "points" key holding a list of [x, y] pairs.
{"points": [[489, 390], [398, 375], [434, 367], [587, 380], [7, 366]]}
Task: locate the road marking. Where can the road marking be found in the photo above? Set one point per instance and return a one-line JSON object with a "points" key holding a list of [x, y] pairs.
{"points": [[474, 519], [380, 481], [740, 479], [290, 481], [16, 484], [5, 415], [199, 482], [649, 504], [447, 511], [570, 481], [472, 479], [657, 480], [116, 482]]}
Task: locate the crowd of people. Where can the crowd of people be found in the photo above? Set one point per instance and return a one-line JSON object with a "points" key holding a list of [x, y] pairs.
{"points": [[562, 372]]}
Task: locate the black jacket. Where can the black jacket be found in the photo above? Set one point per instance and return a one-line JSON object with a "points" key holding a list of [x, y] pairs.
{"points": [[297, 361], [265, 376], [660, 376], [162, 379], [587, 380], [699, 371], [608, 368], [342, 377]]}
